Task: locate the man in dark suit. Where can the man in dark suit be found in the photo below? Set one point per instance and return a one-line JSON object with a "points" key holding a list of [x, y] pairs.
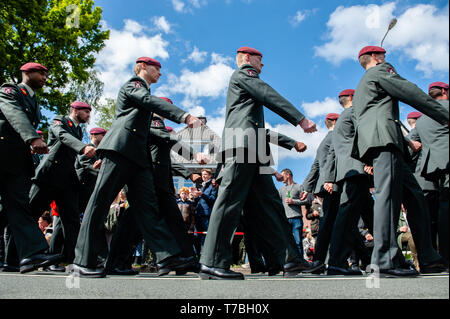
{"points": [[125, 161], [435, 160], [379, 142], [56, 178], [245, 173], [19, 118]]}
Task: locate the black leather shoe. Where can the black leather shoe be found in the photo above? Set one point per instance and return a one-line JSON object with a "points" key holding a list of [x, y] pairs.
{"points": [[195, 269], [39, 260], [8, 268], [292, 269], [87, 272], [319, 267], [332, 271], [174, 264], [435, 267], [122, 272], [398, 272], [219, 273], [56, 268]]}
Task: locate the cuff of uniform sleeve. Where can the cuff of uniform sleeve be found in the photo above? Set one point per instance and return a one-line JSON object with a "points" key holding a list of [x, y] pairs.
{"points": [[184, 117]]}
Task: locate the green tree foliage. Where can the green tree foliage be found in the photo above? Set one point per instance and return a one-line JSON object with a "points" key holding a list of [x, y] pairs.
{"points": [[63, 35], [106, 113]]}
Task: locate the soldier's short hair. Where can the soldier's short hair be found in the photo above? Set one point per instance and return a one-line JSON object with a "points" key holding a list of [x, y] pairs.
{"points": [[138, 68], [343, 100], [364, 60], [240, 57], [411, 122], [435, 92], [329, 123]]}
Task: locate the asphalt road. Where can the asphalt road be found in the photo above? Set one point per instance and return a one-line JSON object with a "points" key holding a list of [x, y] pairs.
{"points": [[149, 286]]}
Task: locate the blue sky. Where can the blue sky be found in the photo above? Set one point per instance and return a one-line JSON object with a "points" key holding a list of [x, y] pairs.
{"points": [[309, 49]]}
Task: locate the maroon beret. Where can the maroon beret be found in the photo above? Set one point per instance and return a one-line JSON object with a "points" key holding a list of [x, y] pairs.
{"points": [[347, 92], [169, 128], [166, 99], [149, 61], [80, 105], [250, 51], [97, 130], [332, 116], [40, 132], [414, 115], [31, 66], [371, 49], [440, 85]]}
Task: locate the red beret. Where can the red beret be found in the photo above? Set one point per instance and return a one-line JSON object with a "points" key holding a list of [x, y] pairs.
{"points": [[80, 105], [249, 51], [347, 92], [440, 85], [414, 115], [169, 128], [167, 99], [371, 49], [149, 61], [31, 66], [332, 116], [40, 132], [97, 130]]}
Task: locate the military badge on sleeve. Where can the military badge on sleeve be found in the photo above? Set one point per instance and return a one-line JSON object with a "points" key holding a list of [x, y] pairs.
{"points": [[137, 85], [391, 71], [57, 122], [252, 73], [7, 90]]}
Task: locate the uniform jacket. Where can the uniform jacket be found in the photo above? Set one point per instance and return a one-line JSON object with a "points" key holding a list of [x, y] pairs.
{"points": [[86, 173], [434, 137], [161, 144], [247, 94], [339, 164], [130, 130], [57, 168], [377, 114], [19, 118], [316, 177], [416, 159]]}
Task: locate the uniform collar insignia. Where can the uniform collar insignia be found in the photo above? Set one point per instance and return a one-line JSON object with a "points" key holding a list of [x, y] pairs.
{"points": [[24, 91]]}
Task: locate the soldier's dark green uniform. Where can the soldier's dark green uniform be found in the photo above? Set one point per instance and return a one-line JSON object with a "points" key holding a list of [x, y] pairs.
{"points": [[87, 175], [353, 182], [242, 180], [314, 184], [19, 117], [435, 167], [124, 151], [56, 180], [379, 141], [160, 144]]}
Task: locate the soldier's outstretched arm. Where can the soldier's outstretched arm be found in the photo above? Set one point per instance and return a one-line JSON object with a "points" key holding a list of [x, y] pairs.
{"points": [[59, 129], [409, 93]]}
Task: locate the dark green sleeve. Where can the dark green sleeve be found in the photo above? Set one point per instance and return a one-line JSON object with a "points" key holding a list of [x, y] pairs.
{"points": [[266, 95], [411, 94], [281, 140], [179, 147], [329, 169], [14, 113], [154, 104], [59, 129], [311, 180]]}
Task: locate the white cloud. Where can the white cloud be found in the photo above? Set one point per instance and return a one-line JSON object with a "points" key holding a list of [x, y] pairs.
{"points": [[421, 34], [299, 17], [197, 56], [210, 82], [115, 61], [321, 108], [187, 5], [162, 24], [178, 5]]}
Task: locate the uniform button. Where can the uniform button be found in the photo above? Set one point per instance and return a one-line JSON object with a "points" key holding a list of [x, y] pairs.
{"points": [[134, 130], [158, 163], [256, 123], [56, 162], [2, 138]]}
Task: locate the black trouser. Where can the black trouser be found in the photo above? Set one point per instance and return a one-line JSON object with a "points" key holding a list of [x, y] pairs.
{"points": [[345, 235], [116, 172], [395, 183], [443, 216], [67, 202], [14, 194], [330, 206]]}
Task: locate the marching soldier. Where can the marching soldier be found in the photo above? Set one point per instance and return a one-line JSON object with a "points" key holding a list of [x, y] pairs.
{"points": [[313, 183], [19, 118], [379, 142], [244, 174], [435, 163], [353, 182], [124, 151], [56, 178]]}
